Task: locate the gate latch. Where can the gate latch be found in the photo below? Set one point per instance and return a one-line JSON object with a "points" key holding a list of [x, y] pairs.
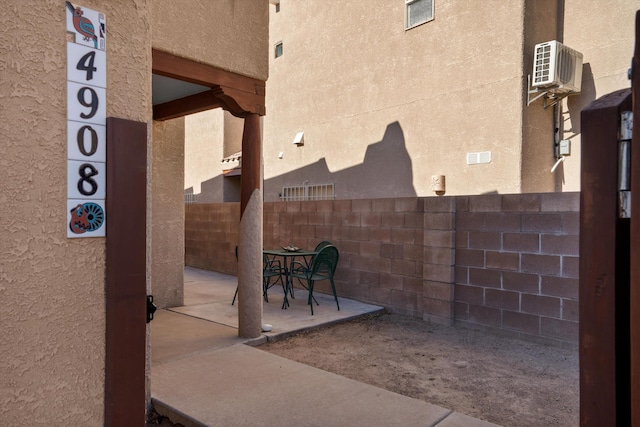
{"points": [[151, 308]]}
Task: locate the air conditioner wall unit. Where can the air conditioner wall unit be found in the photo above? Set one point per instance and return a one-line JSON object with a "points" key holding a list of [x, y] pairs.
{"points": [[557, 68]]}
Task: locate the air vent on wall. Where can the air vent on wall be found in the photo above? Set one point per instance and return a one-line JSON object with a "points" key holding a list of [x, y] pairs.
{"points": [[479, 157]]}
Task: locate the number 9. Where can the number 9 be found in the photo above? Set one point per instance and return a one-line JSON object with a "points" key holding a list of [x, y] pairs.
{"points": [[92, 103]]}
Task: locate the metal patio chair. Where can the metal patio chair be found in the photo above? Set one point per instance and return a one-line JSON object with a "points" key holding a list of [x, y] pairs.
{"points": [[270, 268], [322, 245], [322, 267]]}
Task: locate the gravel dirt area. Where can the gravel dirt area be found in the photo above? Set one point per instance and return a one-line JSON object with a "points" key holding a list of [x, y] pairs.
{"points": [[500, 379]]}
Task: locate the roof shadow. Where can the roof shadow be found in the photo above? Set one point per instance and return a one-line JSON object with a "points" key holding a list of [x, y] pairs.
{"points": [[386, 171]]}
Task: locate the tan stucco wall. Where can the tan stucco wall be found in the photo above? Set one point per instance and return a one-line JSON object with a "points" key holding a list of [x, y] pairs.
{"points": [[167, 213], [229, 34], [451, 86], [211, 136], [349, 75], [540, 20], [51, 287], [604, 32]]}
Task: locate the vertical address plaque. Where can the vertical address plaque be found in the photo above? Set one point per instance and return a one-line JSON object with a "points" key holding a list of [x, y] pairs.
{"points": [[86, 121]]}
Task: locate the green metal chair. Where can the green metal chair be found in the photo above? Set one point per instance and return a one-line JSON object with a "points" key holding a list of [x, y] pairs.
{"points": [[322, 245], [270, 268], [322, 267], [317, 249]]}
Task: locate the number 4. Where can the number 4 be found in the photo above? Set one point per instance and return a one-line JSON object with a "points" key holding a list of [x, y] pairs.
{"points": [[86, 64]]}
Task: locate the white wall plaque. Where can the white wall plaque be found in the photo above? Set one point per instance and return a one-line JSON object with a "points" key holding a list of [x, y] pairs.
{"points": [[86, 218], [86, 103], [86, 141], [86, 180], [86, 121], [86, 66]]}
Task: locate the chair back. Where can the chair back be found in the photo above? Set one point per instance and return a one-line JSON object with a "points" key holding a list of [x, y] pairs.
{"points": [[322, 245], [325, 262]]}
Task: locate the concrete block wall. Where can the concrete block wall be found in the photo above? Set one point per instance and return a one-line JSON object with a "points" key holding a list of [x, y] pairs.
{"points": [[517, 264], [211, 236], [380, 243], [503, 262], [439, 259]]}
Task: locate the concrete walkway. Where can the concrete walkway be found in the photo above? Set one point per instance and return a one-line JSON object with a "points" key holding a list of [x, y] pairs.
{"points": [[203, 374]]}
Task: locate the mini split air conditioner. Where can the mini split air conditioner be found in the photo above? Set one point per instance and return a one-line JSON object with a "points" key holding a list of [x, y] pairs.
{"points": [[557, 68]]}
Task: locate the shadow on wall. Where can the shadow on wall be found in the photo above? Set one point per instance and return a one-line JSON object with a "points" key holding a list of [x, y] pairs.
{"points": [[386, 171], [577, 103], [218, 189]]}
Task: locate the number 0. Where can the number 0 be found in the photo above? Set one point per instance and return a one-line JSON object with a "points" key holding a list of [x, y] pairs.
{"points": [[94, 140]]}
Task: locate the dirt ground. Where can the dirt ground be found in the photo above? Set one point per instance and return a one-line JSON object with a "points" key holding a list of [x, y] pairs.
{"points": [[503, 380]]}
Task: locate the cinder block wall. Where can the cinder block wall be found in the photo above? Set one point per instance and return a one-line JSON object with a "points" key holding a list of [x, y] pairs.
{"points": [[211, 236], [517, 264], [380, 243], [503, 262]]}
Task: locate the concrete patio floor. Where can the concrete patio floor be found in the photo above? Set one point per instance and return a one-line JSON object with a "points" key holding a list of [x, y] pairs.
{"points": [[203, 374]]}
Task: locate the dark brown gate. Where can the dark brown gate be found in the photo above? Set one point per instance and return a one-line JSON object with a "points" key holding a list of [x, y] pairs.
{"points": [[610, 259], [126, 287], [634, 297]]}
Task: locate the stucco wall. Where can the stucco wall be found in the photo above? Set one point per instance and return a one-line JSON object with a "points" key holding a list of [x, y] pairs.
{"points": [[203, 143], [51, 287], [603, 31], [347, 74], [229, 34], [454, 85], [167, 213], [540, 19]]}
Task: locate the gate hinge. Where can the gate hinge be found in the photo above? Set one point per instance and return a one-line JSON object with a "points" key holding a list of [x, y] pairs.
{"points": [[624, 164], [151, 308]]}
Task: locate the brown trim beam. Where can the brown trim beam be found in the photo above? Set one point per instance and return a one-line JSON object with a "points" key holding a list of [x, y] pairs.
{"points": [[188, 105], [241, 94]]}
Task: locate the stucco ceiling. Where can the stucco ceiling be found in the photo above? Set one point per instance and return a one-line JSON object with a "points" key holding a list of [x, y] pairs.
{"points": [[165, 89]]}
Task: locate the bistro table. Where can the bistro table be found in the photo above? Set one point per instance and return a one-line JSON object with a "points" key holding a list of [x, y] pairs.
{"points": [[286, 254]]}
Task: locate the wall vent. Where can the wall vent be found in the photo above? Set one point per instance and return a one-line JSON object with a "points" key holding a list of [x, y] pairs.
{"points": [[479, 157]]}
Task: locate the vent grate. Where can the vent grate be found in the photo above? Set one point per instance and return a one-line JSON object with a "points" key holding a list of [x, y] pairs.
{"points": [[479, 157], [542, 71], [308, 192]]}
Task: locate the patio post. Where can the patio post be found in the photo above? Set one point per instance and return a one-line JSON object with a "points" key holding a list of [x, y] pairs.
{"points": [[250, 233]]}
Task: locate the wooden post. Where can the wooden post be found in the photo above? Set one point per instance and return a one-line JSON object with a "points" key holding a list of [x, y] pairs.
{"points": [[250, 236], [126, 288], [634, 297], [603, 279]]}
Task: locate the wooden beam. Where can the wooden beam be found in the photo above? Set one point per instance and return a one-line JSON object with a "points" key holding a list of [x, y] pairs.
{"points": [[168, 65], [240, 103], [202, 101]]}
